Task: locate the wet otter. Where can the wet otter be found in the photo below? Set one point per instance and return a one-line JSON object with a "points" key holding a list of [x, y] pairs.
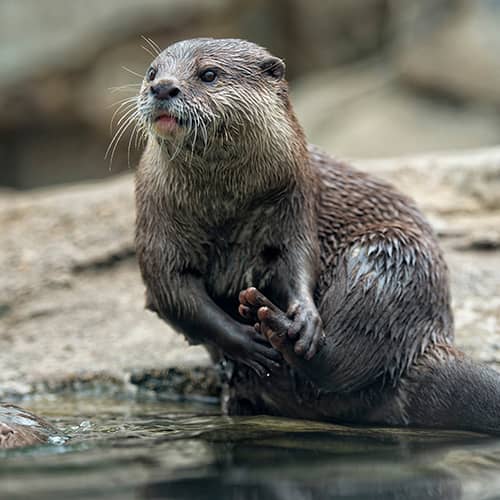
{"points": [[348, 316], [19, 427]]}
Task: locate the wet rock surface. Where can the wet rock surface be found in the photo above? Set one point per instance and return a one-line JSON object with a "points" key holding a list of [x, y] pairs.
{"points": [[71, 297]]}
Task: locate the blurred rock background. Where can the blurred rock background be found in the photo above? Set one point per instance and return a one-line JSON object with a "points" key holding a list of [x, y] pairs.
{"points": [[369, 78]]}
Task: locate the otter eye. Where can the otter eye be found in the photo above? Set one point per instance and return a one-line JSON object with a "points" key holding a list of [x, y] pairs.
{"points": [[208, 75], [151, 74]]}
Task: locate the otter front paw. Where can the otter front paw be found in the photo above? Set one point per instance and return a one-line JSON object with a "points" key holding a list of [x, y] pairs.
{"points": [[306, 329], [299, 332], [252, 349]]}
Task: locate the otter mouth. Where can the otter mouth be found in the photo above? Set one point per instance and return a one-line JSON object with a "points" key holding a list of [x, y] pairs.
{"points": [[165, 123]]}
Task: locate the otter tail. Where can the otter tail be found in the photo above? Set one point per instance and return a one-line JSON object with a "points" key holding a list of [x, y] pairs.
{"points": [[453, 392]]}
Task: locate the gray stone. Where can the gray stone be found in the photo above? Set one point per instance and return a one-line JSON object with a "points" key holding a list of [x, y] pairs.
{"points": [[73, 33], [363, 111], [71, 296], [452, 47], [320, 34], [462, 182]]}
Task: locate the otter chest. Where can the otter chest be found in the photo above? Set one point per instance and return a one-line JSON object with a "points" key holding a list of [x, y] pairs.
{"points": [[238, 256]]}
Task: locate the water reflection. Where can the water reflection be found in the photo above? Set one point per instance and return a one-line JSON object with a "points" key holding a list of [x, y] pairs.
{"points": [[131, 450], [436, 488]]}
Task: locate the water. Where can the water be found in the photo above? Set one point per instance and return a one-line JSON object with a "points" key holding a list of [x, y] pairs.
{"points": [[125, 449]]}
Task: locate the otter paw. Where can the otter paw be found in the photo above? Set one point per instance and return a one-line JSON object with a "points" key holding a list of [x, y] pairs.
{"points": [[252, 349], [300, 327], [306, 329], [274, 326], [250, 302], [256, 353], [269, 319]]}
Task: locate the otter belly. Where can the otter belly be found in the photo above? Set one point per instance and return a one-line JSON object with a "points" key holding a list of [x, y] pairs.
{"points": [[236, 262]]}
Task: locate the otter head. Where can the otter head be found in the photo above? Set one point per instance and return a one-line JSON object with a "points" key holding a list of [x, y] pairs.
{"points": [[207, 96]]}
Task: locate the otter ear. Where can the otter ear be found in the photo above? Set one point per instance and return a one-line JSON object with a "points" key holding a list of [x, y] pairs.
{"points": [[274, 67]]}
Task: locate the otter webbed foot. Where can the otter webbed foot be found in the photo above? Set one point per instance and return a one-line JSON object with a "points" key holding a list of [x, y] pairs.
{"points": [[297, 333]]}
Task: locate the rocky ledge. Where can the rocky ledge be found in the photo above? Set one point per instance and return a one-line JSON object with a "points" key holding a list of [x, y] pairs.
{"points": [[71, 297]]}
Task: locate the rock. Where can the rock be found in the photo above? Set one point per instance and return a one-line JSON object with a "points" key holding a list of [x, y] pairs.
{"points": [[49, 234], [460, 182], [71, 297], [201, 383], [451, 47], [475, 285], [320, 34], [486, 240], [363, 111]]}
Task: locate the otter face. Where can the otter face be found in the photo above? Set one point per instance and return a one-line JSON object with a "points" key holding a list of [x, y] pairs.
{"points": [[205, 91]]}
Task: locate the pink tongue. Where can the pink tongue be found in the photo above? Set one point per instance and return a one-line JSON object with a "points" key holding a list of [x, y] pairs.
{"points": [[166, 118], [166, 123]]}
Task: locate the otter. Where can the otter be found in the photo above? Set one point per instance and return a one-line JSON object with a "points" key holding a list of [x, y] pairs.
{"points": [[19, 427], [320, 289]]}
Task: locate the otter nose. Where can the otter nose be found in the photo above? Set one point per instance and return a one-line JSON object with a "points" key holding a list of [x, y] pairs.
{"points": [[165, 90]]}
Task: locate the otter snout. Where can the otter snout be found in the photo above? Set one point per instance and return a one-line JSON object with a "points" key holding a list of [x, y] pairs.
{"points": [[165, 90]]}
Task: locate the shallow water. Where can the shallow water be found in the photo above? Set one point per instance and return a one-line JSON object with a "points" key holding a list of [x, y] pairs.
{"points": [[123, 449]]}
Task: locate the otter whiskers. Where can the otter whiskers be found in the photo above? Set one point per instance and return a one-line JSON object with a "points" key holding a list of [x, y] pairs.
{"points": [[128, 118]]}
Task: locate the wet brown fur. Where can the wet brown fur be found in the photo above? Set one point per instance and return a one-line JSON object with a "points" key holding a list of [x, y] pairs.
{"points": [[19, 427], [246, 202]]}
